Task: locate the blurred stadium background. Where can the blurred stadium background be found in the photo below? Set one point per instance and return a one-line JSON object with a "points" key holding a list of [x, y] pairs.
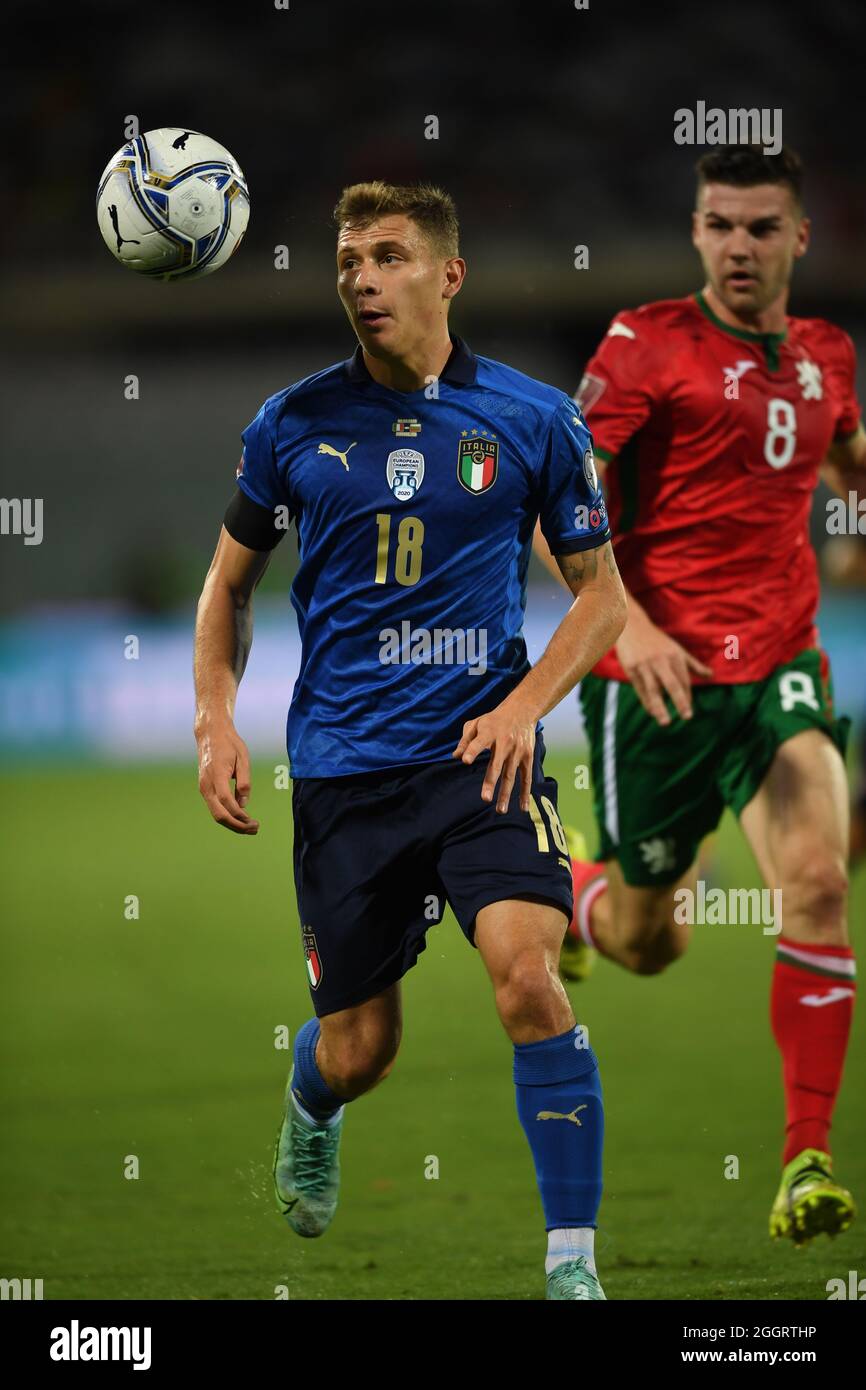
{"points": [[555, 129]]}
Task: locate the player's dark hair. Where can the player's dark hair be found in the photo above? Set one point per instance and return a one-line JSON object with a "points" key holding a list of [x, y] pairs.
{"points": [[747, 165], [430, 207]]}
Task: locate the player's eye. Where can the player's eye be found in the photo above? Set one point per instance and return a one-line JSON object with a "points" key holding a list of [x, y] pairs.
{"points": [[391, 256]]}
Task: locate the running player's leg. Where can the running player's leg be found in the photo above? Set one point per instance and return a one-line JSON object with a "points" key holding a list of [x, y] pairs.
{"points": [[361, 872], [796, 821], [508, 880], [634, 925], [337, 1058], [797, 826], [559, 1100], [654, 798]]}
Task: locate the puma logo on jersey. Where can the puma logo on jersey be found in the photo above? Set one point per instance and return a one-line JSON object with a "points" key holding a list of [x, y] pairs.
{"points": [[555, 1115], [834, 996], [329, 449], [621, 330], [741, 368]]}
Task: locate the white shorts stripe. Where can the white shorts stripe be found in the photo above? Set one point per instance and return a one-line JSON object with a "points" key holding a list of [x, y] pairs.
{"points": [[611, 806]]}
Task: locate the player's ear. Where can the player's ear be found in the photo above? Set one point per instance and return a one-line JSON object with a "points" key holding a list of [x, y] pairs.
{"points": [[804, 232], [696, 227], [455, 273]]}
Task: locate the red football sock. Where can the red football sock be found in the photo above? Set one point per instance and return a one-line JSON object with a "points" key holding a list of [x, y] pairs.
{"points": [[589, 882], [811, 1004]]}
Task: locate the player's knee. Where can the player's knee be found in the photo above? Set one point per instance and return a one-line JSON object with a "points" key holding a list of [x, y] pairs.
{"points": [[527, 988], [816, 891]]}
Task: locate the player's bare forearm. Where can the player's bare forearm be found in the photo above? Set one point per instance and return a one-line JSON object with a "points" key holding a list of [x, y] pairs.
{"points": [[636, 612], [223, 637], [589, 629]]}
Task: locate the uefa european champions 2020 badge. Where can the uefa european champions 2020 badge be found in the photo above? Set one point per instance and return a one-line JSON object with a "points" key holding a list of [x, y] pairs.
{"points": [[405, 473]]}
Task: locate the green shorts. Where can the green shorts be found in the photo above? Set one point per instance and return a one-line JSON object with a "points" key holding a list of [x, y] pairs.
{"points": [[658, 791]]}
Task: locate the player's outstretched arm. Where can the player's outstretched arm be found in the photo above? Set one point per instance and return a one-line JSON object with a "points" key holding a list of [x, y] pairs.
{"points": [[223, 637], [588, 630]]}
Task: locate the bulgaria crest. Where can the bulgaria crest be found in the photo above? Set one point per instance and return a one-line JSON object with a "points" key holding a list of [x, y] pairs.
{"points": [[405, 473], [312, 957], [477, 463]]}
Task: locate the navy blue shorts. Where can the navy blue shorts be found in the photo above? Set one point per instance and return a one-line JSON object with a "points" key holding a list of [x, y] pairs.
{"points": [[378, 855]]}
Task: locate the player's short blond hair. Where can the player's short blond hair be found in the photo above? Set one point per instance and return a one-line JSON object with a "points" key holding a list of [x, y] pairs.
{"points": [[430, 207]]}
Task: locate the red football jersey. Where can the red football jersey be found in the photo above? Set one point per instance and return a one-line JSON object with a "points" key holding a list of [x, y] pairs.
{"points": [[713, 438]]}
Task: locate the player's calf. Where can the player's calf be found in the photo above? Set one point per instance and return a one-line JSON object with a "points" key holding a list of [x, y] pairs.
{"points": [[352, 1067], [356, 1047], [635, 926]]}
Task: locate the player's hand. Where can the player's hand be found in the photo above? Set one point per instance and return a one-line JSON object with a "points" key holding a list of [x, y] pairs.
{"points": [[223, 759], [657, 665], [510, 735]]}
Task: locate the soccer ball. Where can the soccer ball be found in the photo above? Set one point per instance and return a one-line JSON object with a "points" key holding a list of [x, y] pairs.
{"points": [[172, 204]]}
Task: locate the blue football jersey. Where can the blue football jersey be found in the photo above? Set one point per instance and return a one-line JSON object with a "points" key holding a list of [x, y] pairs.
{"points": [[415, 513]]}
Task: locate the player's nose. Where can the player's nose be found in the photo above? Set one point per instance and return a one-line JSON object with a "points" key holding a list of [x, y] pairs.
{"points": [[366, 281], [739, 243]]}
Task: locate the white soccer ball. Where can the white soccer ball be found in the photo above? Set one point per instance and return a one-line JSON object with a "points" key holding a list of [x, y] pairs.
{"points": [[172, 204]]}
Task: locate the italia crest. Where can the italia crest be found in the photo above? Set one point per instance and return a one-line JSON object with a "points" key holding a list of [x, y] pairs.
{"points": [[477, 463], [313, 959], [405, 473]]}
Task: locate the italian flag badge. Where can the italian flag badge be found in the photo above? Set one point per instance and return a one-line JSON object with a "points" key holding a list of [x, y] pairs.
{"points": [[477, 463], [313, 959]]}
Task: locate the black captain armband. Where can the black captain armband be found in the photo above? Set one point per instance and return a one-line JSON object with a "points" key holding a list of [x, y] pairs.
{"points": [[257, 527]]}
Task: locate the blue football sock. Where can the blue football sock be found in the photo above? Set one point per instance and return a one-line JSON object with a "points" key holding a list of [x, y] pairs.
{"points": [[560, 1108], [310, 1087]]}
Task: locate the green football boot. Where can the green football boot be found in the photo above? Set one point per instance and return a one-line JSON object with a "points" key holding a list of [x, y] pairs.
{"points": [[810, 1200], [576, 959], [307, 1170], [574, 1279]]}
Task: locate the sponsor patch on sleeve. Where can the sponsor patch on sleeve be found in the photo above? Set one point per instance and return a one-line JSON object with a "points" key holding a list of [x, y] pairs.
{"points": [[589, 392]]}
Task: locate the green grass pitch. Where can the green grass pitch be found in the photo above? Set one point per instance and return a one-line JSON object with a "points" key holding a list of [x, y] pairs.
{"points": [[155, 1038]]}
